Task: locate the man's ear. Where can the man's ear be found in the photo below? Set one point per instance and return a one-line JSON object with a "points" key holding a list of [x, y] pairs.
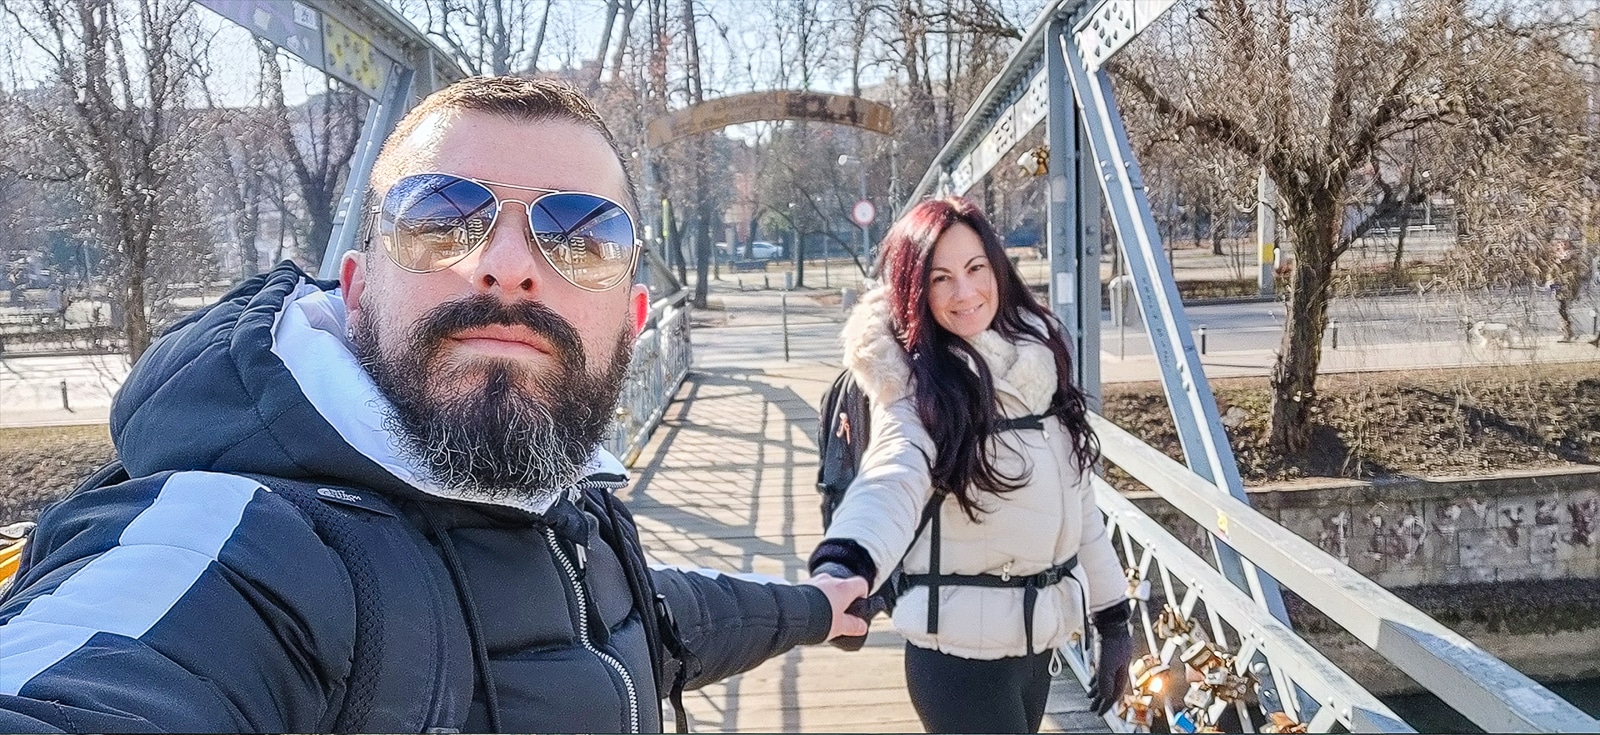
{"points": [[639, 298], [353, 278]]}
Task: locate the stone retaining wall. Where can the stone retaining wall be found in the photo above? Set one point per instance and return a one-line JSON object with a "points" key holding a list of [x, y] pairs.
{"points": [[1439, 531]]}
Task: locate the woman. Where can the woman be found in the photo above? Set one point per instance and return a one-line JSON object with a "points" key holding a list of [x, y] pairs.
{"points": [[977, 476]]}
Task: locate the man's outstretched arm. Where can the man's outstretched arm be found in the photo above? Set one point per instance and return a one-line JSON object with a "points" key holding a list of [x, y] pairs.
{"points": [[187, 602], [731, 624]]}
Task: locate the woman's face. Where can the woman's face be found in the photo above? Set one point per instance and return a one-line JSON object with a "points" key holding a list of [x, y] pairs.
{"points": [[961, 286]]}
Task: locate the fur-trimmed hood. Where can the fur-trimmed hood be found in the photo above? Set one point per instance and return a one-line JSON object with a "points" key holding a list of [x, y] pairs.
{"points": [[1024, 371]]}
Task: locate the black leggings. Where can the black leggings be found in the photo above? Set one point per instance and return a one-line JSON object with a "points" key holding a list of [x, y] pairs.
{"points": [[954, 694]]}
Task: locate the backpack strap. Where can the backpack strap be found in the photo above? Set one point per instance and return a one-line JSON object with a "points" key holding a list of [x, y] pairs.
{"points": [[412, 669], [932, 516], [1030, 584]]}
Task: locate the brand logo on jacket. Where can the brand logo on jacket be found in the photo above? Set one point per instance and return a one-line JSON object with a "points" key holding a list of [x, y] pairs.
{"points": [[348, 497]]}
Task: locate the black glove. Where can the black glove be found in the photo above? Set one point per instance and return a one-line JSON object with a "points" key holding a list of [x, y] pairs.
{"points": [[1110, 678], [865, 608]]}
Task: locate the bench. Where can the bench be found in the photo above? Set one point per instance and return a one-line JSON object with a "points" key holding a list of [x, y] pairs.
{"points": [[743, 266]]}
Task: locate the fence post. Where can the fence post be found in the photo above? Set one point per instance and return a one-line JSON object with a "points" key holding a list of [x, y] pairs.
{"points": [[785, 309]]}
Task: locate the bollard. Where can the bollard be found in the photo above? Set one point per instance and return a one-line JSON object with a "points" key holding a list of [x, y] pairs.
{"points": [[788, 280], [1335, 326], [1594, 321], [847, 298], [766, 281], [785, 307], [64, 403], [1202, 339]]}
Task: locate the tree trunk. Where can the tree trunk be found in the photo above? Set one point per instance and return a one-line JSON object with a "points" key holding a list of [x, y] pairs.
{"points": [[702, 253], [1400, 240], [136, 327], [1294, 374]]}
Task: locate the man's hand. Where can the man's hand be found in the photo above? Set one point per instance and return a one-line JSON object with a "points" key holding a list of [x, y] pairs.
{"points": [[842, 592]]}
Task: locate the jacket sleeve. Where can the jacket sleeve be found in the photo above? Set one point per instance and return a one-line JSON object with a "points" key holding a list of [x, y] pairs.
{"points": [[1107, 583], [881, 509], [730, 624], [181, 602]]}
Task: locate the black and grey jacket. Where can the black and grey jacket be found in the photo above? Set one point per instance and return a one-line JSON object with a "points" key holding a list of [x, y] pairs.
{"points": [[193, 598]]}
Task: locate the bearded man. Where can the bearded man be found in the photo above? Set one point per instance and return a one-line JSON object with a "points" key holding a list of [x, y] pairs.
{"points": [[381, 504]]}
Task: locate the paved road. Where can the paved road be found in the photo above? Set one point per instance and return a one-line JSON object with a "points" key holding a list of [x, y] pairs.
{"points": [[30, 388], [1371, 321], [744, 330]]}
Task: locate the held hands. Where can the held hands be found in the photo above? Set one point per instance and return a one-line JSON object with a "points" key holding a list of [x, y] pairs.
{"points": [[841, 593]]}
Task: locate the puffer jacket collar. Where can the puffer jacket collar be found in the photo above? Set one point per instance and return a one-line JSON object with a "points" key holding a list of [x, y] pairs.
{"points": [[1024, 372], [264, 382]]}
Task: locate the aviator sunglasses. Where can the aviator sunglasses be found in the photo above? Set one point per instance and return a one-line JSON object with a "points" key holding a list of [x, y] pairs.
{"points": [[430, 221]]}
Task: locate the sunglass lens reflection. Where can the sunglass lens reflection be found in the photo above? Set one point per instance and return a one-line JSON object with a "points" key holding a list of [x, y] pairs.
{"points": [[430, 221], [588, 238]]}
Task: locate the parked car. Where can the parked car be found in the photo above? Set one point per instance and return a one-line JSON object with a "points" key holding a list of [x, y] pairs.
{"points": [[761, 250]]}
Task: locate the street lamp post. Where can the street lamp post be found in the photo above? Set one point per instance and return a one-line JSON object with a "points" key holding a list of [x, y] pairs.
{"points": [[861, 166], [799, 251]]}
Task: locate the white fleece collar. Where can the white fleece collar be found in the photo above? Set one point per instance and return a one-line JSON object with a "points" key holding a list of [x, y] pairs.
{"points": [[1026, 370], [309, 336]]}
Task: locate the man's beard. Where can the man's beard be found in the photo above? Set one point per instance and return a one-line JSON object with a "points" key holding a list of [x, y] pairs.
{"points": [[526, 433]]}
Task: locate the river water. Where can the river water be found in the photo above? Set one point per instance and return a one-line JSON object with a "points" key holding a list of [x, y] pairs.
{"points": [[1427, 714]]}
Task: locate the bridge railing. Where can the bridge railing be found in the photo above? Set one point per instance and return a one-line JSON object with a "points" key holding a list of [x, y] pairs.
{"points": [[1216, 654], [661, 357]]}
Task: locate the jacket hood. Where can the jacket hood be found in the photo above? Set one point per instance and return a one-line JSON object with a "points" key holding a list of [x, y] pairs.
{"points": [[264, 382], [1024, 371]]}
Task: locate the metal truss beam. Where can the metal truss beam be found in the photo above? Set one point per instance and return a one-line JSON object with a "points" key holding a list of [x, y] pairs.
{"points": [[1015, 100], [1194, 409], [1112, 24], [367, 45]]}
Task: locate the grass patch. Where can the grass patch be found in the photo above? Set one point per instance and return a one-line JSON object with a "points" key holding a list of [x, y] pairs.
{"points": [[40, 465], [1465, 421]]}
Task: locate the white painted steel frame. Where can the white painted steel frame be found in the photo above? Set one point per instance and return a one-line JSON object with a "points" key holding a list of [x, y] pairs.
{"points": [[1160, 558], [1481, 687], [382, 115], [1073, 238], [1194, 409]]}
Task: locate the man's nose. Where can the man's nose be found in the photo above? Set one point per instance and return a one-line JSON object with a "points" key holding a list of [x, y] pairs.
{"points": [[507, 262]]}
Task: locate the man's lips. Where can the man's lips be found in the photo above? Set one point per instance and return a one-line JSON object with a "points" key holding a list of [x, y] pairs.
{"points": [[500, 337]]}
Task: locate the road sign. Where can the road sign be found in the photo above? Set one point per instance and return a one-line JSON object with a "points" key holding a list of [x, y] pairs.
{"points": [[863, 213]]}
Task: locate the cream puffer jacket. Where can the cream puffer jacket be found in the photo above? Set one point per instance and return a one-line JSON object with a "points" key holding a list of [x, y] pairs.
{"points": [[1027, 531]]}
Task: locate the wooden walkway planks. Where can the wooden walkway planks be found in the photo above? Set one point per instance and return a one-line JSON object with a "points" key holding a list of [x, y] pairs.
{"points": [[727, 482]]}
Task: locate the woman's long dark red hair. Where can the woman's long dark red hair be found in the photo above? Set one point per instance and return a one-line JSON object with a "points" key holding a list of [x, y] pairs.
{"points": [[957, 406]]}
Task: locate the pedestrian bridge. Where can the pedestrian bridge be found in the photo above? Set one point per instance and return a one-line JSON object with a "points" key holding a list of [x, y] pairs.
{"points": [[722, 445], [726, 475]]}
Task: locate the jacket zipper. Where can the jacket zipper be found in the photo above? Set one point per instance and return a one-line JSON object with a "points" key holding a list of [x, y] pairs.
{"points": [[583, 630]]}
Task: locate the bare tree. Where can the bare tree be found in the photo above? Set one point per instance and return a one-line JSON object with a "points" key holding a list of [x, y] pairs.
{"points": [[318, 141], [485, 36], [1315, 92], [124, 62]]}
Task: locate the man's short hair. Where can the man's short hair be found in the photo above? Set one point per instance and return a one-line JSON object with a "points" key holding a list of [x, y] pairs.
{"points": [[513, 98]]}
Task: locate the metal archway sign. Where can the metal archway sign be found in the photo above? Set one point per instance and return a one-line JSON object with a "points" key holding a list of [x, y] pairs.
{"points": [[776, 105]]}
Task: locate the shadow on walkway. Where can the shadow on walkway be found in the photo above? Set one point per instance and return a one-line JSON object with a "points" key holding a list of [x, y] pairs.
{"points": [[728, 482]]}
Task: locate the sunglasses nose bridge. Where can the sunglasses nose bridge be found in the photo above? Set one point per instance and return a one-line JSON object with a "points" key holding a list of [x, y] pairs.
{"points": [[494, 263]]}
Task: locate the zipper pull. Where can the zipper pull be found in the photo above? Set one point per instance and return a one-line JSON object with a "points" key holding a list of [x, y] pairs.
{"points": [[582, 552]]}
